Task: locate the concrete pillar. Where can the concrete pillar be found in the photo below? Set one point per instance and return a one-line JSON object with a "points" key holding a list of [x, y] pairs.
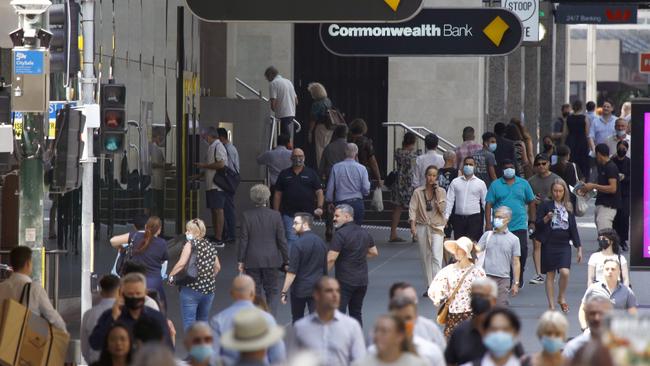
{"points": [[561, 65], [496, 97], [532, 92], [215, 79], [514, 84]]}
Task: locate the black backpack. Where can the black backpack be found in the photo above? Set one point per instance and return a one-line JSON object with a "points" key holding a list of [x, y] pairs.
{"points": [[126, 253]]}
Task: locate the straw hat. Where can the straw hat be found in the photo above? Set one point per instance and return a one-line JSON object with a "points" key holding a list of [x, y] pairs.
{"points": [[463, 243], [251, 332]]}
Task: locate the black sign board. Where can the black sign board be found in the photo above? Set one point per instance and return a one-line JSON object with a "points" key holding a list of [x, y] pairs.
{"points": [[305, 10], [433, 32], [640, 186], [596, 14]]}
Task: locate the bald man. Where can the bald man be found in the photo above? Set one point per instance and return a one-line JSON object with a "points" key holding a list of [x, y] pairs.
{"points": [[298, 189], [242, 292]]}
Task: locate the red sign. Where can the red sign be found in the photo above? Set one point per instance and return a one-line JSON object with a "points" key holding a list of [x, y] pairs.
{"points": [[644, 63]]}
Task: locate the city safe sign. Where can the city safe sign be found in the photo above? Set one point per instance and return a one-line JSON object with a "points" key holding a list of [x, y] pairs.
{"points": [[305, 10], [433, 32]]}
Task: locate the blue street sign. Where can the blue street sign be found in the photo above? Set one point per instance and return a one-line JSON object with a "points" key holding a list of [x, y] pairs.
{"points": [[28, 62]]}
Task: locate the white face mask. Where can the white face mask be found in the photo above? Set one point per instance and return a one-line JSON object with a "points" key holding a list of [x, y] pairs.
{"points": [[498, 223]]}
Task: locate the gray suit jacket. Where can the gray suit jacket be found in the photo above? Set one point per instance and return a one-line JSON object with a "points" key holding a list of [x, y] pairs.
{"points": [[262, 241]]}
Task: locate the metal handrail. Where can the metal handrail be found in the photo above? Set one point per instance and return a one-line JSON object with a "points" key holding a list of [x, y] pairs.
{"points": [[440, 138], [258, 93]]}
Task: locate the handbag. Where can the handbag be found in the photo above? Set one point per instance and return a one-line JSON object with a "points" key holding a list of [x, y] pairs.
{"points": [[190, 271], [443, 310], [377, 200], [227, 179], [480, 256], [124, 256]]}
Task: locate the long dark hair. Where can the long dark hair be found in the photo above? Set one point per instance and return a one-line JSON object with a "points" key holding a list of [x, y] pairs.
{"points": [[105, 358], [150, 230]]}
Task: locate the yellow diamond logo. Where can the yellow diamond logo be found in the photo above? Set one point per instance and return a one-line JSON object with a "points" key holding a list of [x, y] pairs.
{"points": [[495, 30], [393, 4]]}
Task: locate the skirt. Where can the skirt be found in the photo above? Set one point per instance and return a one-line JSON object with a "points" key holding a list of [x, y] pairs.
{"points": [[556, 251], [453, 320]]}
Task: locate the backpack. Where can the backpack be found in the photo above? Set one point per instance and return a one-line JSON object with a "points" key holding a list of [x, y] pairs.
{"points": [[333, 118]]}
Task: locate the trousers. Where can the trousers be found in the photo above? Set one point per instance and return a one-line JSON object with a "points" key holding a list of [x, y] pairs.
{"points": [[267, 280], [430, 243], [522, 235], [352, 300]]}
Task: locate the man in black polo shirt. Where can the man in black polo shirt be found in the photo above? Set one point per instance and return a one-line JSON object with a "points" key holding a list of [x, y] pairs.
{"points": [[609, 193], [307, 264], [298, 189], [350, 249]]}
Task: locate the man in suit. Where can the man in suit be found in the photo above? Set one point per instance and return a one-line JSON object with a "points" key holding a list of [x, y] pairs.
{"points": [[505, 147], [263, 246]]}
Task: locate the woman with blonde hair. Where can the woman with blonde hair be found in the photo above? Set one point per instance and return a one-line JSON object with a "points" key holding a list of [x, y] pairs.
{"points": [[552, 331], [556, 229], [319, 134], [197, 295]]}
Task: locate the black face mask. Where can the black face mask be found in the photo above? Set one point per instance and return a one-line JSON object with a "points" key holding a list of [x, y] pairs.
{"points": [[603, 244], [479, 304], [621, 153], [133, 303], [548, 147]]}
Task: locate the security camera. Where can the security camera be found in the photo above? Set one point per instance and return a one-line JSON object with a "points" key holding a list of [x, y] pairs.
{"points": [[30, 7]]}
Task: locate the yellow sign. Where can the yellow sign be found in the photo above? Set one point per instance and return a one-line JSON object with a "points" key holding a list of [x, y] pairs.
{"points": [[18, 128], [495, 30], [394, 4]]}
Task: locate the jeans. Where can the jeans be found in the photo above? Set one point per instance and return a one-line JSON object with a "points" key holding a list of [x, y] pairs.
{"points": [[352, 300], [230, 222], [522, 235], [267, 279], [357, 206], [195, 306], [288, 229], [298, 306]]}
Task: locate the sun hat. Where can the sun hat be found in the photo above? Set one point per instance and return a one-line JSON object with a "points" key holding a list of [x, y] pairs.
{"points": [[251, 332], [463, 243]]}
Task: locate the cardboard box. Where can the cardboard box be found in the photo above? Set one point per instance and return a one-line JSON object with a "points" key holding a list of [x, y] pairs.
{"points": [[12, 322], [27, 339]]}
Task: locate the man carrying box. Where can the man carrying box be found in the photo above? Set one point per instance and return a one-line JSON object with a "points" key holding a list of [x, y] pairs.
{"points": [[20, 259]]}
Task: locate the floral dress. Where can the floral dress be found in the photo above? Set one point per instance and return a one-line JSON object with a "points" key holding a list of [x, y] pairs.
{"points": [[444, 284], [404, 163]]}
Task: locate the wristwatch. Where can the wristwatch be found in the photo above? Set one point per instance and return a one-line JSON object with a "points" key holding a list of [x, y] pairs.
{"points": [[516, 283]]}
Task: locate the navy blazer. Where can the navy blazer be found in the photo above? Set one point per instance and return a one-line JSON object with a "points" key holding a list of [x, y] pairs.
{"points": [[543, 230]]}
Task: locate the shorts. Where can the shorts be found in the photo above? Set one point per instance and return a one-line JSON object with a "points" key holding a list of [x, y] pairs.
{"points": [[215, 199]]}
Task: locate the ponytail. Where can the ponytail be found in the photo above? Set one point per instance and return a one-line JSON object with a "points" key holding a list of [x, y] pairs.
{"points": [[150, 231]]}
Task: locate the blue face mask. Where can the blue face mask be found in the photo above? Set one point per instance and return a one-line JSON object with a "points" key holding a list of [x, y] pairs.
{"points": [[552, 344], [620, 133], [189, 237], [498, 223], [509, 173], [468, 169], [492, 147], [201, 352], [499, 343]]}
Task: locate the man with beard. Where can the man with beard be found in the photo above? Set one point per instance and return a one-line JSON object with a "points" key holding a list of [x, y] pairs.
{"points": [[298, 189], [350, 249]]}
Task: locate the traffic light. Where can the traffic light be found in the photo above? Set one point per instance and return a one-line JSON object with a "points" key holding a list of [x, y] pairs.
{"points": [[64, 46], [113, 118], [67, 150]]}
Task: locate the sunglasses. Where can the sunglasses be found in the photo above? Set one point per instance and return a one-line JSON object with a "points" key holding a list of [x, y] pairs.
{"points": [[203, 340], [538, 164]]}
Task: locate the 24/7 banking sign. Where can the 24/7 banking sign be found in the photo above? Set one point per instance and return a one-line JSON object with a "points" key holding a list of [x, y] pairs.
{"points": [[433, 32]]}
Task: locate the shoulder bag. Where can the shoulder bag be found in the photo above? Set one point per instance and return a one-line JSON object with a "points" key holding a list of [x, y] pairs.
{"points": [[190, 271], [125, 255], [226, 178], [480, 256], [443, 310]]}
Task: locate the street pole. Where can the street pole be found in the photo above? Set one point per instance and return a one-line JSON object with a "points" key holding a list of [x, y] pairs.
{"points": [[30, 95], [592, 62], [88, 82]]}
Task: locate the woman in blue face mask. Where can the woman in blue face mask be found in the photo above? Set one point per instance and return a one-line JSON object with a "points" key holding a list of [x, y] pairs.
{"points": [[195, 274], [501, 331], [551, 331], [198, 343]]}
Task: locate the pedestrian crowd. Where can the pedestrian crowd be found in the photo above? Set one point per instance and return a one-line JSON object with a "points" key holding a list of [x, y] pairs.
{"points": [[490, 196]]}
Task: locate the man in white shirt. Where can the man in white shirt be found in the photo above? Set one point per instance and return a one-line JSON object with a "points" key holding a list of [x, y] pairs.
{"points": [[467, 193], [109, 285], [620, 134], [431, 157], [215, 197], [20, 260], [283, 99], [424, 327]]}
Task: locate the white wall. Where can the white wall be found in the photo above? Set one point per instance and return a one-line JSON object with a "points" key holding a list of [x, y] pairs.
{"points": [[444, 94], [608, 58]]}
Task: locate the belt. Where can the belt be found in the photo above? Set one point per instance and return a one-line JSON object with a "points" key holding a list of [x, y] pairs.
{"points": [[478, 213], [350, 200]]}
